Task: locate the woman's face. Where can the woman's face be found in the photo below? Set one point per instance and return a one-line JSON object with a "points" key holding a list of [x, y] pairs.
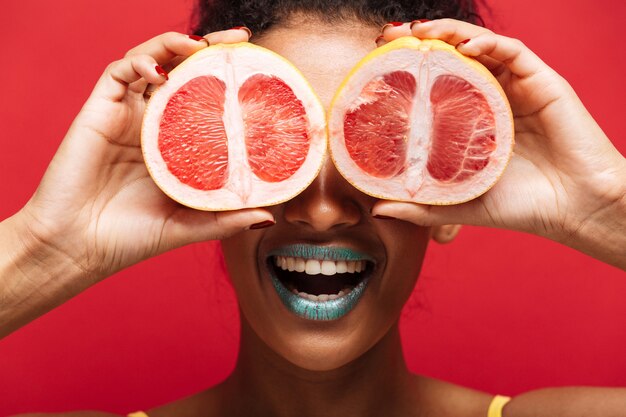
{"points": [[329, 221]]}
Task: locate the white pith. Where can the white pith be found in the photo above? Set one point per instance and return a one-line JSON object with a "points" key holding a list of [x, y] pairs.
{"points": [[234, 65], [415, 184]]}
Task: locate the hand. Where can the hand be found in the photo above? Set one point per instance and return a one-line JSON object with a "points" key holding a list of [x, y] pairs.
{"points": [[96, 204], [565, 177]]}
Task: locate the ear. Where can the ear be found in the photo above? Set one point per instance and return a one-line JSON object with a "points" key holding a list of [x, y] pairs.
{"points": [[445, 233]]}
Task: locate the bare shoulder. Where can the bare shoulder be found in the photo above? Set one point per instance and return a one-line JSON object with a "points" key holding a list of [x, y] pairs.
{"points": [[203, 404], [444, 399], [72, 414], [569, 402]]}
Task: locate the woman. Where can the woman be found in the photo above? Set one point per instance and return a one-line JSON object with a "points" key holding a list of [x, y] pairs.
{"points": [[292, 364]]}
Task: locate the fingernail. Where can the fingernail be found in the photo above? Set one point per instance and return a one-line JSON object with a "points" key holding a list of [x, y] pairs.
{"points": [[198, 38], [243, 28], [386, 25], [418, 21], [383, 217], [262, 225], [463, 42], [161, 72], [378, 38]]}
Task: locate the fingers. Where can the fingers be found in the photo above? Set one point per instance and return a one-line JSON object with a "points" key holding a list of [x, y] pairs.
{"points": [[144, 63], [472, 212], [147, 88], [165, 47], [496, 52], [234, 35], [448, 30], [395, 30], [445, 233], [190, 225], [520, 60], [122, 74], [138, 69]]}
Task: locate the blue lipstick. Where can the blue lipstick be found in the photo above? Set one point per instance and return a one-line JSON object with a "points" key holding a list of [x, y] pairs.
{"points": [[331, 253]]}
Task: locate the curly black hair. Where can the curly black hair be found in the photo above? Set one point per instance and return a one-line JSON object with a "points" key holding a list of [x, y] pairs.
{"points": [[260, 15]]}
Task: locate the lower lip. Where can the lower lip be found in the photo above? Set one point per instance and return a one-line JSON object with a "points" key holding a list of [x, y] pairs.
{"points": [[319, 310]]}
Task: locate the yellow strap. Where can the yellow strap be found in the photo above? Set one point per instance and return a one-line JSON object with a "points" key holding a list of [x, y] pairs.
{"points": [[496, 406], [138, 414]]}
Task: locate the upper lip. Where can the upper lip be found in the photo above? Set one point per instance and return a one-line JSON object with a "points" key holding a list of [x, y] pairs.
{"points": [[321, 252]]}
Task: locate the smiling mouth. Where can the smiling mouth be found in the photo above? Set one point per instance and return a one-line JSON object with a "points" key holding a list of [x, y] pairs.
{"points": [[317, 282]]}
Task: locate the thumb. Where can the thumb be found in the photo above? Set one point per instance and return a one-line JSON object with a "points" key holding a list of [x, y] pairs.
{"points": [[188, 225], [470, 213]]}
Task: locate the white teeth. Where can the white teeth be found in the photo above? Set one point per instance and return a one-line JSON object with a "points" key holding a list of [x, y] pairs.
{"points": [[315, 267], [321, 297], [329, 268], [312, 297], [300, 265]]}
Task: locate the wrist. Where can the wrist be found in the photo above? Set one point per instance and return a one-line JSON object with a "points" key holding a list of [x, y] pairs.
{"points": [[41, 247], [35, 277], [602, 233]]}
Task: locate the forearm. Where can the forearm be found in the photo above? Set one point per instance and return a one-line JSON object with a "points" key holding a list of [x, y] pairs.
{"points": [[34, 277]]}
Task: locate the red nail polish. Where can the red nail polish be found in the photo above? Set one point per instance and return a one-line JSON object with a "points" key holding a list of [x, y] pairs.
{"points": [[262, 225], [197, 38], [161, 72], [396, 23], [382, 217], [463, 42], [242, 28]]}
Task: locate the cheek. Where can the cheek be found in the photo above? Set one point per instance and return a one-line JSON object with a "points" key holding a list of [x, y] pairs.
{"points": [[406, 246], [240, 254]]}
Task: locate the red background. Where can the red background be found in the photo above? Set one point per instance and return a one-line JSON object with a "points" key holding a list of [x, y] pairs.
{"points": [[496, 310]]}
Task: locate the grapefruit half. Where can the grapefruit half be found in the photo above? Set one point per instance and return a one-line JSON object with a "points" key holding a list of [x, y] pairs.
{"points": [[417, 121], [235, 126]]}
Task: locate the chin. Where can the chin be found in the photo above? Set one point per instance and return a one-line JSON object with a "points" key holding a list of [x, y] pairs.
{"points": [[324, 345], [319, 354]]}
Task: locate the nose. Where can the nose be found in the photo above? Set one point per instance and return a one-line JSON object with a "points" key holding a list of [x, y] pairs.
{"points": [[329, 203]]}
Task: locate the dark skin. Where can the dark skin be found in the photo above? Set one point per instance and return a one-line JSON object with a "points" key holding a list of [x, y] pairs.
{"points": [[290, 366]]}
